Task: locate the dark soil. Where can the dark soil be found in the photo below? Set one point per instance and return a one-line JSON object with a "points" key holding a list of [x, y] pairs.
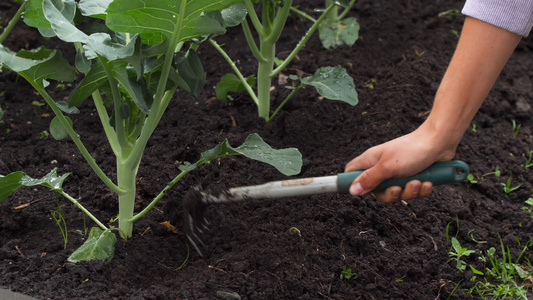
{"points": [[396, 251]]}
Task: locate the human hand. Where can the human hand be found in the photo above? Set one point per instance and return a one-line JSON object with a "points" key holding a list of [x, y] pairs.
{"points": [[401, 157]]}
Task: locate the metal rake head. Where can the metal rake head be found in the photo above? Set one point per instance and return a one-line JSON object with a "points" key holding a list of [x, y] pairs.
{"points": [[195, 222]]}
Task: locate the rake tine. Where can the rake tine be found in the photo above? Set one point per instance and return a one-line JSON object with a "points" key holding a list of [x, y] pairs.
{"points": [[194, 208]]}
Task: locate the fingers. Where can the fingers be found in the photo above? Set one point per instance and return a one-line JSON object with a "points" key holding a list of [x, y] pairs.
{"points": [[368, 180], [413, 189]]}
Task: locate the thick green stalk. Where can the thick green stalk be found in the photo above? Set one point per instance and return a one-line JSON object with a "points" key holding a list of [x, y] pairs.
{"points": [[264, 80], [126, 179], [332, 15], [272, 27]]}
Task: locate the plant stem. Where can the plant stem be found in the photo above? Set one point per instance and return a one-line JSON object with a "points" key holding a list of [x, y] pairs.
{"points": [[74, 136], [332, 15], [104, 119], [346, 10], [83, 209], [303, 14], [126, 177], [158, 197], [13, 22], [236, 70], [251, 42], [264, 80], [253, 16], [120, 132], [272, 28], [302, 42], [289, 97]]}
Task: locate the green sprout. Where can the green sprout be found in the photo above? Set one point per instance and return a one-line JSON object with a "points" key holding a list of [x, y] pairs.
{"points": [[457, 253], [347, 273], [60, 221], [529, 208], [507, 186], [496, 173], [516, 128], [503, 278]]}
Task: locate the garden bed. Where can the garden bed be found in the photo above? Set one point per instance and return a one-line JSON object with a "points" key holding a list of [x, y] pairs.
{"points": [[395, 251]]}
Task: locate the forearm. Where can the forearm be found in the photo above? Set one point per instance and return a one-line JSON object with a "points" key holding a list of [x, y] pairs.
{"points": [[481, 54]]}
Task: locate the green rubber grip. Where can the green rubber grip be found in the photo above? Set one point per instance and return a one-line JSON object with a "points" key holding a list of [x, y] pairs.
{"points": [[444, 172]]}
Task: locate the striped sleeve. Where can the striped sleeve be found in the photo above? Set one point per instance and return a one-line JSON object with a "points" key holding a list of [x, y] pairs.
{"points": [[513, 15]]}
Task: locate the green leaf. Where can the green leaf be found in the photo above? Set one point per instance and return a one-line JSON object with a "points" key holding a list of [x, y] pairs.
{"points": [[136, 89], [83, 64], [1, 113], [287, 161], [57, 130], [156, 20], [37, 65], [112, 47], [100, 245], [337, 33], [34, 15], [234, 15], [94, 8], [333, 83], [92, 81], [16, 180], [230, 83], [190, 71]]}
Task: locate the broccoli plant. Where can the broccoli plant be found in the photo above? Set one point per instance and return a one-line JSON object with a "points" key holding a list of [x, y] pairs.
{"points": [[332, 83], [134, 55]]}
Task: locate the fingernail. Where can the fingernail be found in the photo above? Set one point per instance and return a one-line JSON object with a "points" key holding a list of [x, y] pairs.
{"points": [[356, 189], [426, 191], [396, 194], [415, 189]]}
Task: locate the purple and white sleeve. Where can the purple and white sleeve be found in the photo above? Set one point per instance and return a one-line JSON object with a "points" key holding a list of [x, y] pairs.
{"points": [[513, 15]]}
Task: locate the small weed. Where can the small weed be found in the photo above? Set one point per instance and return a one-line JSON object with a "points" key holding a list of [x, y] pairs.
{"points": [[457, 253], [471, 236], [448, 230], [507, 186], [470, 180], [473, 128], [529, 208], [450, 14], [60, 221], [502, 276], [44, 134], [516, 128], [528, 160], [371, 83], [496, 173], [37, 103], [347, 273]]}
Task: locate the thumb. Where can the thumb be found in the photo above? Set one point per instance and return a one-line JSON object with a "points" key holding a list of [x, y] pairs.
{"points": [[368, 181]]}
